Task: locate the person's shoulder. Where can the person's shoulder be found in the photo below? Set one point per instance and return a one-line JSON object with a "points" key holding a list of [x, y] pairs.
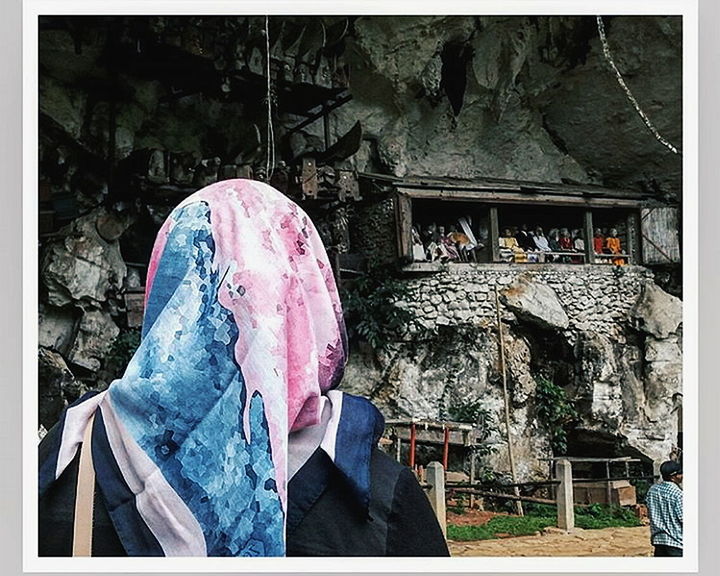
{"points": [[385, 467], [665, 489], [671, 487], [391, 478], [676, 490]]}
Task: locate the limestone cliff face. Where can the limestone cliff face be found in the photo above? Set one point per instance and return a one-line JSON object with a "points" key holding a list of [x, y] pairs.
{"points": [[528, 98], [537, 98]]}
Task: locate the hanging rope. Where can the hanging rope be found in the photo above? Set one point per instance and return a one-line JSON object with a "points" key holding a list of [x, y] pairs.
{"points": [[270, 157], [624, 86]]}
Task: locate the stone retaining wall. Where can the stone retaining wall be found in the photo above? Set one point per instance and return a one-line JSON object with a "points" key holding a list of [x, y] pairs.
{"points": [[595, 297]]}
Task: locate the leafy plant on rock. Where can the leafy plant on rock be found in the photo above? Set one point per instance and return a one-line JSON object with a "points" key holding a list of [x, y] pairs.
{"points": [[122, 350], [555, 412], [373, 306], [473, 412], [470, 412]]}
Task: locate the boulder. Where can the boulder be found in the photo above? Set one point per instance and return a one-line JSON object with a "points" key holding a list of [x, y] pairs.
{"points": [[82, 266], [56, 327], [95, 337], [657, 312], [536, 303], [667, 350]]}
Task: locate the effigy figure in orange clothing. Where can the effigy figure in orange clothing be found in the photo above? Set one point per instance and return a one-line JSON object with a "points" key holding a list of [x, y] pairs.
{"points": [[613, 246]]}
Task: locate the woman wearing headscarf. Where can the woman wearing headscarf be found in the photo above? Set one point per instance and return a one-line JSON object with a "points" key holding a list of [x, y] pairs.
{"points": [[225, 436]]}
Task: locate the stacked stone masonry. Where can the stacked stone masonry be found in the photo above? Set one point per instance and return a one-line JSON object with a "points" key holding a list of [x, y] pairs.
{"points": [[595, 298]]}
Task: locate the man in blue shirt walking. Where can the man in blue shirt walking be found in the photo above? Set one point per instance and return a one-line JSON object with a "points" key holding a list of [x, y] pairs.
{"points": [[665, 509]]}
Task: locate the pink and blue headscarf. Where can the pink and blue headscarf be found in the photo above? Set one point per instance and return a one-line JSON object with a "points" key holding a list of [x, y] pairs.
{"points": [[242, 341]]}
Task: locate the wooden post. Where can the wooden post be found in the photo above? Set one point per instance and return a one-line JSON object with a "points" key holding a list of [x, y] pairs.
{"points": [[632, 238], [326, 127], [403, 212], [516, 490], [551, 473], [435, 476], [446, 446], [412, 445], [472, 477], [309, 178], [608, 488], [589, 234], [494, 235], [565, 503]]}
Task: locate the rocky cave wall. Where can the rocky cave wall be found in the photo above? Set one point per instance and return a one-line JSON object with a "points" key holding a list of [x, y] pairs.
{"points": [[510, 97], [530, 98]]}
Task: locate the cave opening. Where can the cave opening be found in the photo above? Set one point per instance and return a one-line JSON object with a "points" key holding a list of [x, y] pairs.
{"points": [[637, 470], [551, 355]]}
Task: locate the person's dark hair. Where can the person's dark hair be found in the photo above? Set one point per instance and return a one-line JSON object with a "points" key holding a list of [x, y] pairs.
{"points": [[669, 469]]}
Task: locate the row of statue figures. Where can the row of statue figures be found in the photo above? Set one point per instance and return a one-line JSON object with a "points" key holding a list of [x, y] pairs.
{"points": [[457, 244], [517, 244]]}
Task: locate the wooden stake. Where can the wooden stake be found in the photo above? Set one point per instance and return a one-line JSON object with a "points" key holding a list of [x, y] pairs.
{"points": [[412, 446], [472, 478], [518, 503], [446, 447]]}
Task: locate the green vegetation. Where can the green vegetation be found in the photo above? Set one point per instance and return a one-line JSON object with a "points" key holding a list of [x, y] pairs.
{"points": [[471, 412], [512, 525], [555, 412], [122, 350], [601, 516], [124, 347], [370, 305], [460, 508], [539, 516]]}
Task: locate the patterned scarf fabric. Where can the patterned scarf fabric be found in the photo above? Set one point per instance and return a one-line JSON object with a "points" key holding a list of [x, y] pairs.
{"points": [[242, 338]]}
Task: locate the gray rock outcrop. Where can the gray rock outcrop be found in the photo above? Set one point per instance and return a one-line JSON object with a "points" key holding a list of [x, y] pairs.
{"points": [[536, 303], [657, 312], [82, 272], [57, 327], [82, 267], [95, 337]]}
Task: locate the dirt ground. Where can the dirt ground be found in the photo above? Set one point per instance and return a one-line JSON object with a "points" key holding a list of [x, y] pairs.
{"points": [[554, 542]]}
